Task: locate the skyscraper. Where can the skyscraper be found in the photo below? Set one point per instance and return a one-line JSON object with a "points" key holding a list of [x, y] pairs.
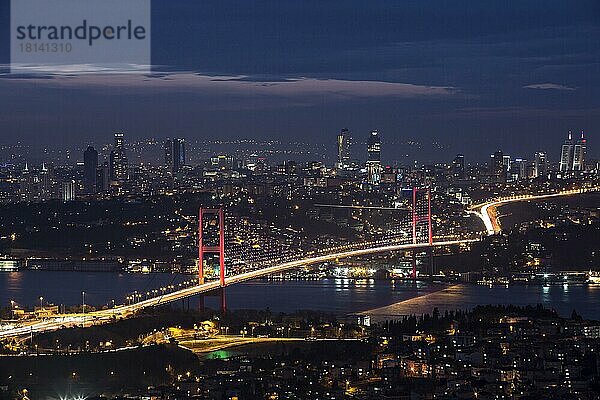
{"points": [[174, 154], [178, 154], [458, 167], [168, 146], [118, 159], [496, 167], [45, 183], [506, 163], [68, 190], [566, 154], [374, 158], [90, 165], [35, 184], [540, 164], [579, 153], [344, 141], [103, 177], [518, 169], [573, 153]]}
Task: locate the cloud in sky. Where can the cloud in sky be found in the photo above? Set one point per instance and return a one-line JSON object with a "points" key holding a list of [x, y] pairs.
{"points": [[244, 85], [549, 86]]}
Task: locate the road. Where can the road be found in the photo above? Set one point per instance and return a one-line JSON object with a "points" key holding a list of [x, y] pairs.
{"points": [[121, 311], [487, 212]]}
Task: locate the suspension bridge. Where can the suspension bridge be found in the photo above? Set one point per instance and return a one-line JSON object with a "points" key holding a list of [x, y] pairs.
{"points": [[416, 235]]}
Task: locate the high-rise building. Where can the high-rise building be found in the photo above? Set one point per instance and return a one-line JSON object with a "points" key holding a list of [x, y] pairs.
{"points": [[497, 167], [90, 165], [26, 184], [540, 166], [458, 167], [45, 183], [344, 141], [174, 155], [579, 153], [35, 185], [178, 154], [573, 154], [566, 154], [68, 190], [506, 163], [374, 158], [168, 147], [118, 159], [103, 177], [518, 170]]}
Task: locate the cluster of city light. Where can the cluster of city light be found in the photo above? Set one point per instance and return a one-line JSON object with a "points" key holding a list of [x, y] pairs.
{"points": [[324, 255], [486, 211], [251, 265]]}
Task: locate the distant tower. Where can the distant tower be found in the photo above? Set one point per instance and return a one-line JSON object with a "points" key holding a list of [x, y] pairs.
{"points": [[566, 154], [506, 162], [518, 169], [458, 167], [90, 165], [374, 158], [344, 141], [118, 159], [540, 164], [25, 188], [174, 155], [103, 177], [45, 183], [497, 165], [579, 153], [68, 190], [168, 146], [178, 154]]}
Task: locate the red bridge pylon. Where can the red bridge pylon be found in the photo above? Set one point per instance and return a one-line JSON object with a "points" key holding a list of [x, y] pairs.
{"points": [[214, 249], [420, 214]]}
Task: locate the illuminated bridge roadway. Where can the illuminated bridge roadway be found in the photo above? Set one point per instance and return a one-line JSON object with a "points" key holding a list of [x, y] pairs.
{"points": [[104, 316]]}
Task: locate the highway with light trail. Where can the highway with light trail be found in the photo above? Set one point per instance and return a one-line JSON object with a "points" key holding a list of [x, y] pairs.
{"points": [[487, 211]]}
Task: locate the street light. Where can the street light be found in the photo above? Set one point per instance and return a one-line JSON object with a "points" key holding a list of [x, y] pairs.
{"points": [[41, 302]]}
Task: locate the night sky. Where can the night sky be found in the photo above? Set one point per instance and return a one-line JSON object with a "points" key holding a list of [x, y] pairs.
{"points": [[475, 75]]}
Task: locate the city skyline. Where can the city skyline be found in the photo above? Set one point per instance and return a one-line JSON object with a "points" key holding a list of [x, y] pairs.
{"points": [[343, 148], [299, 199]]}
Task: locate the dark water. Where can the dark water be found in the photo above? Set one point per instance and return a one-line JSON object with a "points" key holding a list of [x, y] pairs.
{"points": [[339, 296], [330, 295], [583, 298], [26, 287]]}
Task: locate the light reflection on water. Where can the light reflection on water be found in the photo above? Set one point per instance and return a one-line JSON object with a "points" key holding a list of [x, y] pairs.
{"points": [[337, 295], [545, 296], [581, 297], [382, 299]]}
